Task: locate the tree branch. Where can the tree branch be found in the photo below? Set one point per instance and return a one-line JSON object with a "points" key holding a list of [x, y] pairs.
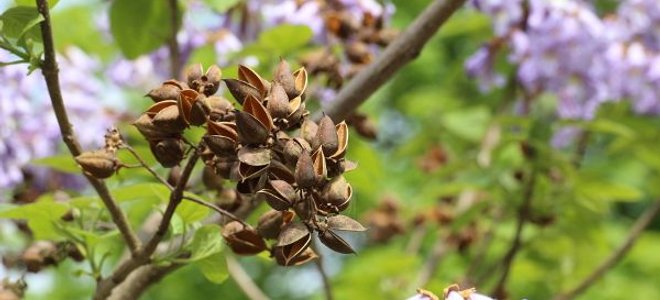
{"points": [[399, 53], [440, 249], [243, 280], [173, 44], [140, 280], [147, 167], [633, 235], [106, 286], [327, 286], [523, 214], [51, 75], [216, 209]]}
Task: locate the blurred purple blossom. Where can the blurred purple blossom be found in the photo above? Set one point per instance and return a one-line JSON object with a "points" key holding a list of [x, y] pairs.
{"points": [[564, 48], [28, 128]]}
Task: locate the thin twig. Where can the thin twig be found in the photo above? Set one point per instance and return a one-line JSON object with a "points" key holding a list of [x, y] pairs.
{"points": [[51, 75], [140, 280], [469, 279], [318, 262], [440, 249], [105, 286], [523, 214], [173, 44], [175, 198], [399, 53], [147, 167], [633, 235], [216, 208], [250, 289]]}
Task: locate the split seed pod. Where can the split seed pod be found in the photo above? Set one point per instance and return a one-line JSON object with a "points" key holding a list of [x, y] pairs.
{"points": [[270, 223], [336, 195], [243, 240], [279, 194], [327, 135], [294, 239], [241, 89], [250, 76], [285, 78]]}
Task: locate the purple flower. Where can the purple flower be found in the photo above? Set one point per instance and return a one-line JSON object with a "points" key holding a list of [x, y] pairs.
{"points": [[565, 49], [28, 128]]}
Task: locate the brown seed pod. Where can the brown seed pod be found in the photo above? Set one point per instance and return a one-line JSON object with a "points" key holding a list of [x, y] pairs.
{"points": [[327, 136], [278, 103], [168, 152], [336, 195], [164, 92], [344, 223], [250, 130], [206, 84], [333, 241], [279, 194], [250, 76], [294, 240], [241, 89], [270, 223], [99, 164], [300, 82], [304, 172], [284, 76], [243, 240], [219, 107], [303, 258]]}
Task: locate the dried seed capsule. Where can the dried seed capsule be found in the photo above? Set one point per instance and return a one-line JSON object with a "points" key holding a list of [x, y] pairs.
{"points": [[250, 130], [270, 223], [243, 240], [304, 172], [294, 239], [284, 76], [327, 136], [302, 258], [241, 89], [168, 152], [98, 164], [336, 195], [279, 194], [278, 103], [333, 241]]}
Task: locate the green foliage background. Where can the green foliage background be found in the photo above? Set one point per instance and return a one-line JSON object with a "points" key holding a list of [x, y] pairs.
{"points": [[430, 102]]}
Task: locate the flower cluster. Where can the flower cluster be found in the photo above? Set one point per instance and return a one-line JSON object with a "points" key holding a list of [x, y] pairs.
{"points": [[452, 292], [565, 48], [28, 128], [270, 148]]}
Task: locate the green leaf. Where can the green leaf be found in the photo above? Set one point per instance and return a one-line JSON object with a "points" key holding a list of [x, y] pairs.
{"points": [[51, 3], [221, 6], [598, 190], [21, 20], [40, 215], [206, 242], [285, 38], [62, 162], [139, 26], [204, 55], [469, 123], [75, 26], [141, 191], [191, 212], [214, 268]]}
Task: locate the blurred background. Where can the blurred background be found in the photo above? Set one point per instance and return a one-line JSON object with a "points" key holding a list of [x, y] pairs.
{"points": [[553, 101]]}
